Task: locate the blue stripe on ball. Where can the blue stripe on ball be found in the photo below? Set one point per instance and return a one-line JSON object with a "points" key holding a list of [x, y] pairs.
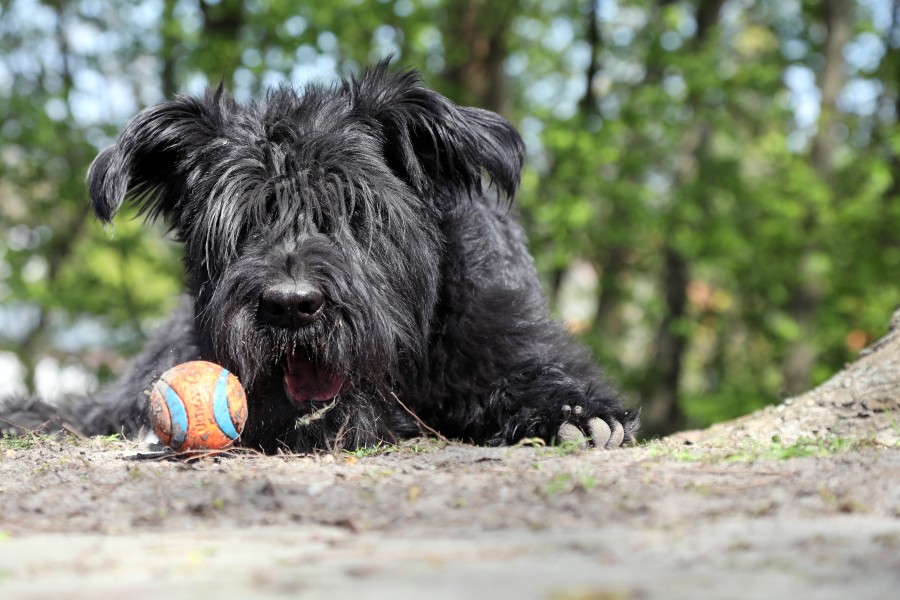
{"points": [[178, 414], [220, 406]]}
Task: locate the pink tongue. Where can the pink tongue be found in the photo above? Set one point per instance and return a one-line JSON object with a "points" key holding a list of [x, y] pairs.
{"points": [[305, 382]]}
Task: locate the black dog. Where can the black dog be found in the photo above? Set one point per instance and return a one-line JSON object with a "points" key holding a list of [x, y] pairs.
{"points": [[346, 264]]}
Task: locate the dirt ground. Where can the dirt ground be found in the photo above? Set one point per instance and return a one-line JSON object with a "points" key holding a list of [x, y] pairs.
{"points": [[96, 518]]}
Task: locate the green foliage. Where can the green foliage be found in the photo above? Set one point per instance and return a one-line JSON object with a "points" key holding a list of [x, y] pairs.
{"points": [[694, 144]]}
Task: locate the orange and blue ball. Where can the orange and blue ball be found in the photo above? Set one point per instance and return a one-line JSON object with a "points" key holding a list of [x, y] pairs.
{"points": [[198, 405]]}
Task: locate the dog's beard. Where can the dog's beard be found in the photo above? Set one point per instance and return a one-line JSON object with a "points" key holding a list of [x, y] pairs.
{"points": [[345, 349], [311, 366]]}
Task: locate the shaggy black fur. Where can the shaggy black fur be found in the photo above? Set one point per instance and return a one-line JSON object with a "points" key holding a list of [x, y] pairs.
{"points": [[342, 252]]}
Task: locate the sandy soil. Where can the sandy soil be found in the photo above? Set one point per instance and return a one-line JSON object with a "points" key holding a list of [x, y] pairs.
{"points": [[97, 518]]}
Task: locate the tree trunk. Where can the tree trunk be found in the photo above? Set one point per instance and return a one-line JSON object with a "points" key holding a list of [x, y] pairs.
{"points": [[607, 320], [806, 296], [588, 103], [611, 261], [662, 413], [474, 68], [222, 23], [167, 52]]}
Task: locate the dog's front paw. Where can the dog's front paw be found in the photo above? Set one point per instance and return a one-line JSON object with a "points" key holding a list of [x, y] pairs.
{"points": [[548, 402], [593, 431]]}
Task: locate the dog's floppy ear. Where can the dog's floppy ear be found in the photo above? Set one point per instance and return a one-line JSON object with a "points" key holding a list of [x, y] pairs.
{"points": [[152, 156], [431, 142]]}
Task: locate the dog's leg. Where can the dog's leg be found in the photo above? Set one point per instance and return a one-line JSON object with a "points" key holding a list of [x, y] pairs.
{"points": [[501, 369]]}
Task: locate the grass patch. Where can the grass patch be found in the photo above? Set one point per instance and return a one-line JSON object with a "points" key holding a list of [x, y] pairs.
{"points": [[556, 448], [25, 441], [565, 483], [34, 439], [776, 450], [368, 451], [892, 421], [415, 446], [802, 448], [657, 449], [566, 448], [109, 440]]}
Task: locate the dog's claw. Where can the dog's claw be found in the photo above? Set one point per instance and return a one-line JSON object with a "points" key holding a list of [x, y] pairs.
{"points": [[568, 433], [600, 432], [617, 436], [602, 435]]}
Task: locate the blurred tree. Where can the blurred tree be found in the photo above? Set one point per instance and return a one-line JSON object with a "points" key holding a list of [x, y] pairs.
{"points": [[692, 191], [53, 273]]}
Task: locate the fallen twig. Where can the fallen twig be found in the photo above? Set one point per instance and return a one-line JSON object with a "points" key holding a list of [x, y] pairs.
{"points": [[419, 421]]}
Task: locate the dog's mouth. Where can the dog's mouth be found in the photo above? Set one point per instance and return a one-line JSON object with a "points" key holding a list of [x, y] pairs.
{"points": [[305, 381]]}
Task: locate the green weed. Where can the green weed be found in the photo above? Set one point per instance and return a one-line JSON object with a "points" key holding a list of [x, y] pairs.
{"points": [[26, 441], [802, 448], [376, 450], [410, 446], [109, 440], [805, 447], [776, 450], [564, 483]]}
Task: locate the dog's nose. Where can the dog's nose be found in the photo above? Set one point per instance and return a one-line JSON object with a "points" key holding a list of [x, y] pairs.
{"points": [[291, 304]]}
